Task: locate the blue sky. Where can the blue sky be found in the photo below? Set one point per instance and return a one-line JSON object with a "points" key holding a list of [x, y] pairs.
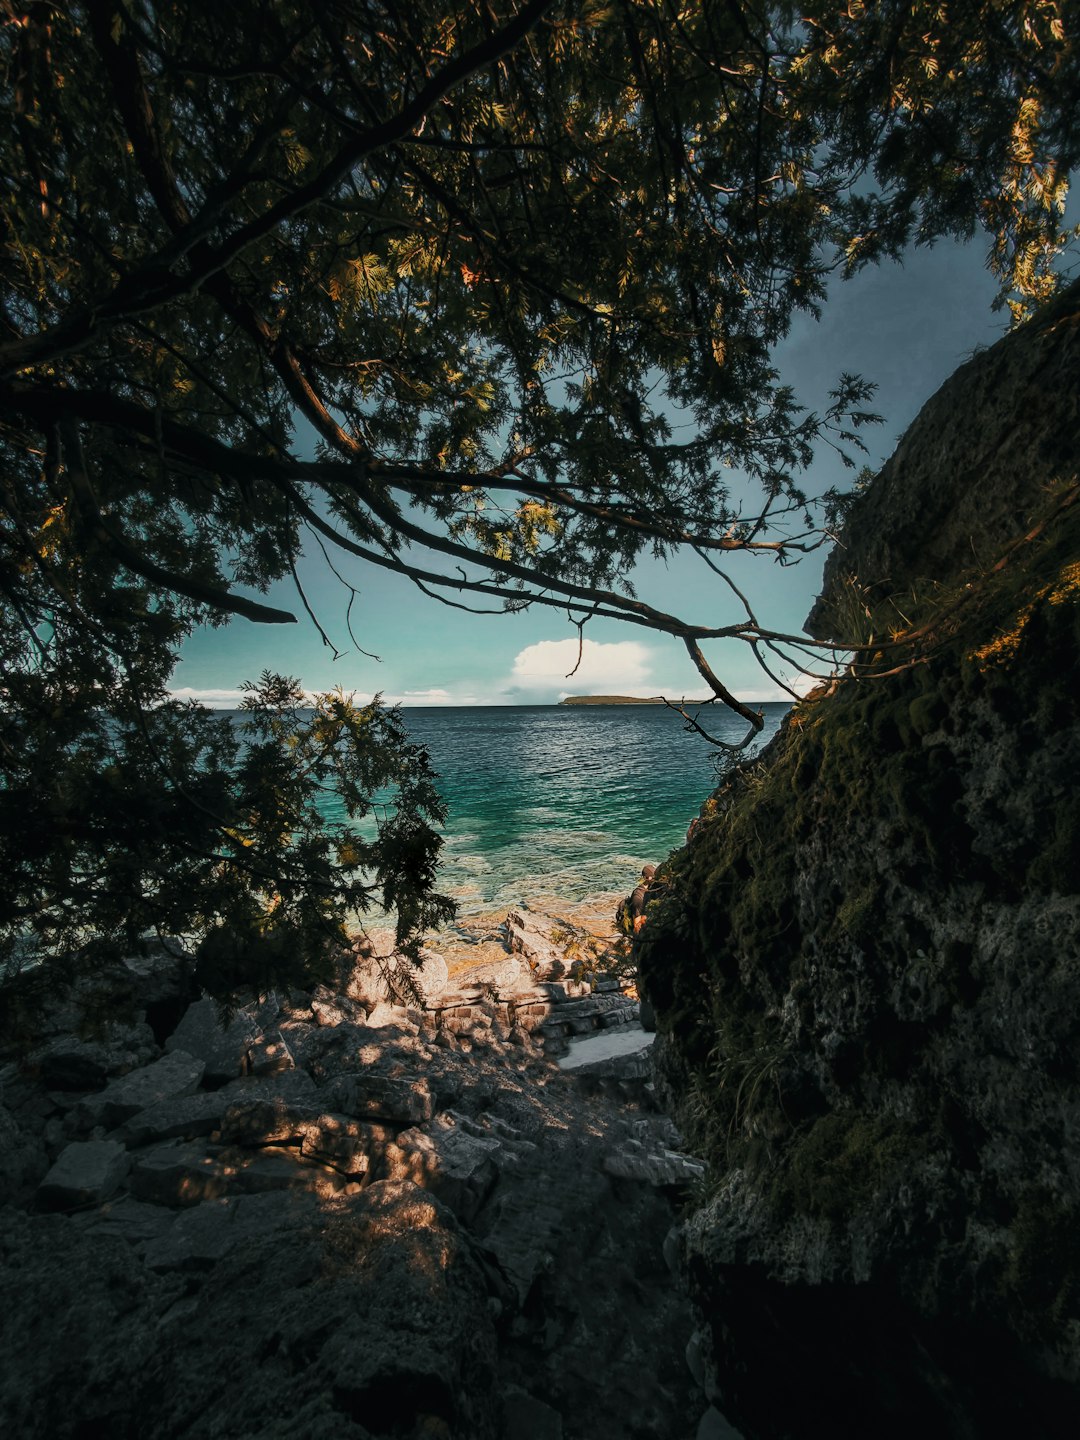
{"points": [[906, 327]]}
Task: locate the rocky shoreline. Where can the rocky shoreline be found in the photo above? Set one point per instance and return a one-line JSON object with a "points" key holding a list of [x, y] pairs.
{"points": [[340, 1214]]}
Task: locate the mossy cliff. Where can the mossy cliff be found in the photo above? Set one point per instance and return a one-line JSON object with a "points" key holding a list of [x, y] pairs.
{"points": [[866, 970]]}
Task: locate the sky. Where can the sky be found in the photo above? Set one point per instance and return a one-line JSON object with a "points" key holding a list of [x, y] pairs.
{"points": [[905, 327]]}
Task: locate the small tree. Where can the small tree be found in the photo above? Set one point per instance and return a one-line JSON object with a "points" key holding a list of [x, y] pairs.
{"points": [[484, 250]]}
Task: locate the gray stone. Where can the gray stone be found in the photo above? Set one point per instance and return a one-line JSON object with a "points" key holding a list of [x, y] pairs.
{"points": [[345, 1144], [23, 1160], [160, 975], [70, 1063], [223, 1049], [529, 936], [714, 1426], [526, 1418], [179, 1173], [664, 1167], [175, 1074], [199, 1238], [255, 1172], [404, 1101], [387, 1015], [135, 1222], [291, 1087], [270, 1055], [180, 1116], [329, 1009], [457, 1167], [86, 1173]]}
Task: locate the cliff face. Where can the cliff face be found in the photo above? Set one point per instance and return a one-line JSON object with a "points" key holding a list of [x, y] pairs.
{"points": [[866, 970]]}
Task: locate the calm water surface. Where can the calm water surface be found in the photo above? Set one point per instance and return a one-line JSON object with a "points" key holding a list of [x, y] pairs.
{"points": [[565, 801]]}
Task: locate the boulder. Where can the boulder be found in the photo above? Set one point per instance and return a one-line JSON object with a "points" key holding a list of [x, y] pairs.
{"points": [[270, 1055], [971, 473], [344, 1144], [86, 1173], [136, 1222], [363, 977], [200, 1237], [290, 1087], [71, 1063], [177, 1073], [526, 1418], [223, 1049], [257, 1172], [179, 1173], [328, 1009], [656, 1167], [530, 937], [453, 1165], [407, 1100], [176, 1117], [23, 1160]]}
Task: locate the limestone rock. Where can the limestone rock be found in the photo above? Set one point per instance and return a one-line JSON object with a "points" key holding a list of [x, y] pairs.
{"points": [[527, 1418], [79, 1332], [85, 1173], [136, 1222], [663, 1167], [70, 1063], [270, 1055], [968, 475], [179, 1173], [178, 1116], [528, 936], [865, 962], [404, 1101], [459, 1168], [328, 1009], [346, 1145], [256, 1172], [23, 1159], [177, 1073], [222, 1049], [198, 1238]]}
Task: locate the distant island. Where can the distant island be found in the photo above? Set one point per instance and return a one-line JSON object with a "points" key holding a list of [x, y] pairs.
{"points": [[611, 700]]}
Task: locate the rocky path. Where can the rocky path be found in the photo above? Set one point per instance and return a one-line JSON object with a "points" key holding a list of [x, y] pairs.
{"points": [[341, 1216]]}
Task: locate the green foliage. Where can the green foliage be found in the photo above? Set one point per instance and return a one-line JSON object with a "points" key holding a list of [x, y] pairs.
{"points": [[484, 253], [164, 817]]}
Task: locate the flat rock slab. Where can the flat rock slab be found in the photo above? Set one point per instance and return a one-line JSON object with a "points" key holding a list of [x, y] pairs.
{"points": [[256, 1172], [222, 1049], [346, 1145], [526, 1418], [379, 1097], [133, 1221], [664, 1167], [270, 1055], [179, 1174], [178, 1117], [605, 1046], [69, 1063], [290, 1087], [456, 1167], [175, 1074], [85, 1173], [199, 1238]]}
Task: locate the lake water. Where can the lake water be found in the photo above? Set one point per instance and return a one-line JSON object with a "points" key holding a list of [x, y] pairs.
{"points": [[565, 800]]}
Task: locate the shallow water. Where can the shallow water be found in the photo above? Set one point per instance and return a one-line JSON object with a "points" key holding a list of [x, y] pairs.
{"points": [[565, 801]]}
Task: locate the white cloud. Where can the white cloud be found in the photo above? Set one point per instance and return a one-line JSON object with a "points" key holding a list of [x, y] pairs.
{"points": [[621, 667], [213, 699]]}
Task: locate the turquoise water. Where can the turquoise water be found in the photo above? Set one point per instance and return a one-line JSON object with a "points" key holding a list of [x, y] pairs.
{"points": [[565, 801]]}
